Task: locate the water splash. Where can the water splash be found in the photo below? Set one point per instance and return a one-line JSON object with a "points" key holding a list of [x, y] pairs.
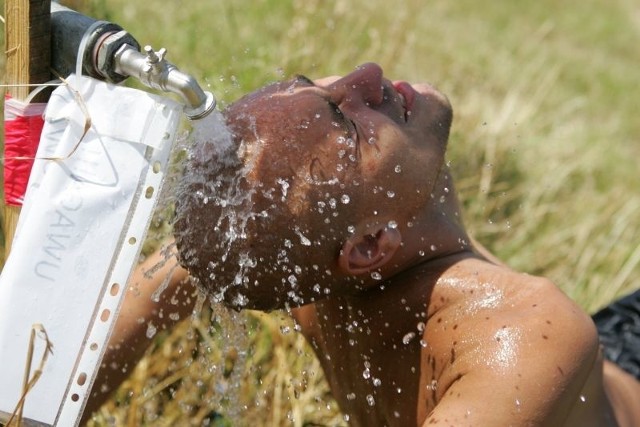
{"points": [[215, 168]]}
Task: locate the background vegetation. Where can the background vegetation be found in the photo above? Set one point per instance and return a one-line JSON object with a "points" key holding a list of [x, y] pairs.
{"points": [[545, 148]]}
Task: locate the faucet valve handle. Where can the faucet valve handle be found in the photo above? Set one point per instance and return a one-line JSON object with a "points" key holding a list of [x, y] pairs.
{"points": [[154, 57], [154, 71]]}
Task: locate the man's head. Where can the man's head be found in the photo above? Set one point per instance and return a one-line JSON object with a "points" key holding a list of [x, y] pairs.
{"points": [[322, 182]]}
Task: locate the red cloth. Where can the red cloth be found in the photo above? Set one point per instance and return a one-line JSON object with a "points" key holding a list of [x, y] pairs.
{"points": [[22, 128]]}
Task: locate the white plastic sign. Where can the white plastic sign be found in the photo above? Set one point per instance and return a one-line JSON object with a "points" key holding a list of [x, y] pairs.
{"points": [[91, 194]]}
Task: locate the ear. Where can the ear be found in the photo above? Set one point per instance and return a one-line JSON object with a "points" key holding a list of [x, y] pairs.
{"points": [[364, 253]]}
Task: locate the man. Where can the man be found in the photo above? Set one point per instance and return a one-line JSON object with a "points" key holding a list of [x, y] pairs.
{"points": [[334, 197]]}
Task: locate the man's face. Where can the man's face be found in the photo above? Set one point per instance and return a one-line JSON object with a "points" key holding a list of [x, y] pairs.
{"points": [[322, 161], [368, 139]]}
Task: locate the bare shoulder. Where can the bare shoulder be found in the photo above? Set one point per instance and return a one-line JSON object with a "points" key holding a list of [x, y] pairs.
{"points": [[516, 338], [486, 297]]}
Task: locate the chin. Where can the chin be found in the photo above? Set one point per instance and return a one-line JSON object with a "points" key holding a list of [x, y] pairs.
{"points": [[431, 92]]}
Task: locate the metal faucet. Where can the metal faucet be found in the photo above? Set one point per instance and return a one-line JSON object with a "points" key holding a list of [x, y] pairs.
{"points": [[112, 54], [157, 73]]}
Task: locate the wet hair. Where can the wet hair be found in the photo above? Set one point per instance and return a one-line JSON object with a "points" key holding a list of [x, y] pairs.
{"points": [[245, 213]]}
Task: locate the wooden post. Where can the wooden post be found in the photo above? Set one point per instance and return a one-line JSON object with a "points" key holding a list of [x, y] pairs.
{"points": [[28, 51]]}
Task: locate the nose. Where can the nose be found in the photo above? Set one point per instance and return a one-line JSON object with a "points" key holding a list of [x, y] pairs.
{"points": [[362, 85]]}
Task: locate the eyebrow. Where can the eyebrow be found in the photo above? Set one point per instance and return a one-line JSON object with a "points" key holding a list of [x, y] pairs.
{"points": [[299, 78]]}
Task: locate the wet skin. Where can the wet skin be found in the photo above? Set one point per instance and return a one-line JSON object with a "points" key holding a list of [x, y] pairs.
{"points": [[421, 327]]}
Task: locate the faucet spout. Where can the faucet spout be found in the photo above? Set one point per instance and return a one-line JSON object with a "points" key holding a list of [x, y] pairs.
{"points": [[154, 71]]}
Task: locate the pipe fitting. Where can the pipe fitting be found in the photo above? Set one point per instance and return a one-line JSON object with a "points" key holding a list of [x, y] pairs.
{"points": [[105, 53]]}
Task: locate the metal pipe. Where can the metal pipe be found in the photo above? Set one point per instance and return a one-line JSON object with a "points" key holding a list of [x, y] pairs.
{"points": [[110, 53]]}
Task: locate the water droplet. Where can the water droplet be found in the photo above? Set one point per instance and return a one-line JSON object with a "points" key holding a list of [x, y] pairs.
{"points": [[392, 224], [345, 199], [372, 141], [391, 194], [377, 382], [398, 169], [370, 400], [366, 374], [408, 337], [303, 239], [376, 276], [583, 398], [351, 396], [293, 281], [284, 188], [285, 330], [240, 300], [433, 248], [151, 330], [351, 229]]}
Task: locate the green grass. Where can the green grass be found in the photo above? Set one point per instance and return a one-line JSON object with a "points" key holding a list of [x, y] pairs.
{"points": [[544, 147]]}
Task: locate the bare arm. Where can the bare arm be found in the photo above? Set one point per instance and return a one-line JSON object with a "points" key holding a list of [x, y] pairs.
{"points": [[145, 308]]}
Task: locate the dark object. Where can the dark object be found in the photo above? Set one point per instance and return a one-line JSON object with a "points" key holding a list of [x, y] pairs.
{"points": [[619, 329]]}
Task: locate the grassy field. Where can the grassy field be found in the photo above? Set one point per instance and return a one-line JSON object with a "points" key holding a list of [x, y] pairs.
{"points": [[544, 147]]}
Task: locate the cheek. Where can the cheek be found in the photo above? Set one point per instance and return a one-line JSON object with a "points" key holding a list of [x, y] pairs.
{"points": [[333, 163]]}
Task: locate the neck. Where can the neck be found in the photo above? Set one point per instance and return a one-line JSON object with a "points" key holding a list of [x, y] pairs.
{"points": [[439, 233], [436, 235]]}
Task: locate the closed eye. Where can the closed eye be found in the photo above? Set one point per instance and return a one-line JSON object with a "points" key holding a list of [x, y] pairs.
{"points": [[306, 81], [339, 117], [350, 127], [337, 113]]}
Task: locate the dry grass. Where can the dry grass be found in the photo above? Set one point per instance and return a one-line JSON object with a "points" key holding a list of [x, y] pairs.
{"points": [[544, 149], [225, 369]]}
